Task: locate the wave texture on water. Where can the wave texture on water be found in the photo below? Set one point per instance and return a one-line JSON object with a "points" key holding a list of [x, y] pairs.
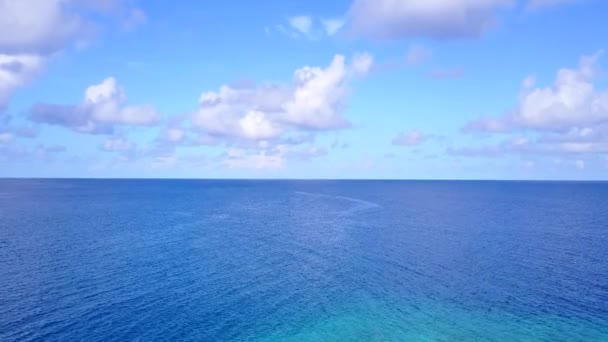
{"points": [[147, 260]]}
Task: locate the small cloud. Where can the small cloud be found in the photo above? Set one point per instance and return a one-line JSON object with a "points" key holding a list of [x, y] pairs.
{"points": [[302, 24], [362, 63], [103, 107], [332, 26], [285, 31], [311, 28], [314, 101]]}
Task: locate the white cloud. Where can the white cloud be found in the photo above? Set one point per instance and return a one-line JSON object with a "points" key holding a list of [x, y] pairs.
{"points": [[312, 28], [438, 19], [16, 71], [37, 26], [412, 138], [255, 125], [106, 101], [318, 96], [332, 26], [313, 102], [104, 106], [241, 112], [571, 102], [362, 63], [302, 23], [32, 30]]}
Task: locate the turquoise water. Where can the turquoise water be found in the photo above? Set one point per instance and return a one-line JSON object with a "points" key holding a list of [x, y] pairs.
{"points": [[158, 260]]}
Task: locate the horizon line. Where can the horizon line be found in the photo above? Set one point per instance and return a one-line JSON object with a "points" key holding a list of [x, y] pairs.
{"points": [[314, 179]]}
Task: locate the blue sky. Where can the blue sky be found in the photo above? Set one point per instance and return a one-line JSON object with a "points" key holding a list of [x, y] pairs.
{"points": [[441, 89]]}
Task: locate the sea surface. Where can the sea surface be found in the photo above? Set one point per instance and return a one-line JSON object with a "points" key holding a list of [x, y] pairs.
{"points": [[248, 260]]}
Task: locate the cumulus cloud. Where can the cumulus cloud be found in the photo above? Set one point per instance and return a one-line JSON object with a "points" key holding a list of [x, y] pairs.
{"points": [[38, 26], [571, 102], [436, 19], [314, 101], [33, 30], [103, 107], [16, 71]]}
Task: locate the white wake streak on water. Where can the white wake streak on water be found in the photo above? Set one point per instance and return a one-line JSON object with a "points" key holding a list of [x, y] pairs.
{"points": [[360, 204]]}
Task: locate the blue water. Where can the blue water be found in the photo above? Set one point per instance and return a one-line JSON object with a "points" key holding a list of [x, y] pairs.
{"points": [[207, 260]]}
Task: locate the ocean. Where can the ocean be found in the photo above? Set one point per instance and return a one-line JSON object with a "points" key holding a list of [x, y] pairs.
{"points": [[290, 260]]}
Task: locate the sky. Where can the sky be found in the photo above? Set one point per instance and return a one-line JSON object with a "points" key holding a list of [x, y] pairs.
{"points": [[374, 89]]}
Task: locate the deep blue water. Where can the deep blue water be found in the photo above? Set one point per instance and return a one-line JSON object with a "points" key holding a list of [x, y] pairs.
{"points": [[212, 260]]}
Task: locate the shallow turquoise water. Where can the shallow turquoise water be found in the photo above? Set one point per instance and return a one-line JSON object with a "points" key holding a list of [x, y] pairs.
{"points": [[157, 260]]}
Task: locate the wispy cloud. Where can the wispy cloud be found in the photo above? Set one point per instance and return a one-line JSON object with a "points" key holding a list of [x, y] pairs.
{"points": [[333, 26], [103, 107], [301, 23], [309, 27], [440, 19]]}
